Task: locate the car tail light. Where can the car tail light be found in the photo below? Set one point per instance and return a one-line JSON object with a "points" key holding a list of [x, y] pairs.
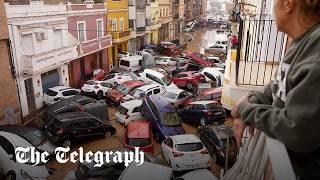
{"points": [[205, 151], [60, 131], [96, 87], [176, 154]]}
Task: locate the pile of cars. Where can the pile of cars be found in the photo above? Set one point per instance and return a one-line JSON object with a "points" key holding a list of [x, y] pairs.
{"points": [[151, 105]]}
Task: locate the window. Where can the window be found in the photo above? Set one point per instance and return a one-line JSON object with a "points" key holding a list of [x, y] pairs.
{"points": [[189, 147], [124, 63], [81, 28], [109, 77], [6, 145], [121, 24], [51, 93], [182, 95], [136, 109], [160, 12], [131, 23], [155, 79], [100, 31], [149, 93], [114, 24], [69, 93], [198, 107], [156, 91], [169, 142], [108, 85]]}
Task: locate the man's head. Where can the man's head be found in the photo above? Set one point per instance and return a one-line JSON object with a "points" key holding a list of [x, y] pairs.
{"points": [[292, 14]]}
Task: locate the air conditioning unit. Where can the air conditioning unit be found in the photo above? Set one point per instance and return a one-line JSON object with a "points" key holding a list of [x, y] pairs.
{"points": [[41, 36]]}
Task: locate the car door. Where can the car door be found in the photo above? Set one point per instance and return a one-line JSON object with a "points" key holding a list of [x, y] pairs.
{"points": [[79, 129], [197, 112], [6, 163], [182, 97], [167, 148]]}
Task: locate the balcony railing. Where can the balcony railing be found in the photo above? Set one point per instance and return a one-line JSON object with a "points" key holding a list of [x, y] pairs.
{"points": [[259, 51], [116, 36], [141, 29]]}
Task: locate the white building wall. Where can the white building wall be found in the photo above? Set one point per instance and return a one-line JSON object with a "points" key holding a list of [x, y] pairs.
{"points": [[33, 57]]}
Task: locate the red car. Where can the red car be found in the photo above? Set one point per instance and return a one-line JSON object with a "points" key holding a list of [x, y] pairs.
{"points": [[213, 94], [116, 94], [138, 134], [200, 59], [188, 79]]}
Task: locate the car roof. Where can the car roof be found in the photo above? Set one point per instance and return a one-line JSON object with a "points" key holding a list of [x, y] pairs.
{"points": [[60, 88], [154, 72], [222, 131], [175, 90], [70, 116], [78, 98], [204, 102], [147, 87], [132, 58], [162, 103], [15, 139], [205, 174], [133, 83], [19, 130], [138, 129], [132, 103], [154, 172], [185, 138]]}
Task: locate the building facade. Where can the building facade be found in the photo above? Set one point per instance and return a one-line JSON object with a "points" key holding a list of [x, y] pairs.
{"points": [[178, 16], [9, 104], [166, 30], [42, 48], [155, 23], [87, 24], [118, 26]]}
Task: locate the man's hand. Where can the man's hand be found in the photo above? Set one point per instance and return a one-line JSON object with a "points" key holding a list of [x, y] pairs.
{"points": [[238, 129], [234, 111]]}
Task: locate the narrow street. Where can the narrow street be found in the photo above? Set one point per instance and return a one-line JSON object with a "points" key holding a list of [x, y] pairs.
{"points": [[201, 39]]}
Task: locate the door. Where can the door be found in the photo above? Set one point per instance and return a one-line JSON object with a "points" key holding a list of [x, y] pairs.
{"points": [[30, 95], [50, 79]]}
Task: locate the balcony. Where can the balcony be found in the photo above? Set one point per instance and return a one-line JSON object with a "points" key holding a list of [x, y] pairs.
{"points": [[141, 31], [33, 64], [120, 36], [94, 45], [176, 16]]}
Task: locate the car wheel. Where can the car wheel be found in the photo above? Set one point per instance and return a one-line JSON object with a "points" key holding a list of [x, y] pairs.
{"points": [[189, 85], [66, 143], [108, 134], [99, 95], [202, 122]]}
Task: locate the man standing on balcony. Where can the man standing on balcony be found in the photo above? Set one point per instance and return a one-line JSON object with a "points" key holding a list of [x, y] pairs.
{"points": [[289, 108]]}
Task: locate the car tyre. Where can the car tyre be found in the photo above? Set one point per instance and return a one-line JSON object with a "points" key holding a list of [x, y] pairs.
{"points": [[189, 85], [66, 142], [11, 176], [99, 95]]}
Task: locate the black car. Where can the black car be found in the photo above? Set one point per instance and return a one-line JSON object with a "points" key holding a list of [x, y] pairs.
{"points": [[203, 113], [77, 103], [186, 67], [67, 128], [215, 139], [109, 171], [33, 135]]}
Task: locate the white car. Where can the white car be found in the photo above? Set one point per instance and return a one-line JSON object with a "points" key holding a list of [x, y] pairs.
{"points": [[119, 78], [141, 92], [176, 96], [124, 54], [217, 62], [97, 89], [129, 111], [58, 93], [185, 152], [214, 74], [165, 61], [152, 76], [12, 168], [219, 49], [198, 174]]}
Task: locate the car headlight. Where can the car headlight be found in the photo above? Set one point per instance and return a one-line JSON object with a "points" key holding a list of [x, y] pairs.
{"points": [[25, 175]]}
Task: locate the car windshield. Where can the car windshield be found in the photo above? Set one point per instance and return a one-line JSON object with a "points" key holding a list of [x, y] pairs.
{"points": [[36, 138], [171, 119], [51, 93], [212, 106], [91, 83], [169, 95], [189, 147], [139, 142], [137, 93], [122, 110], [123, 89], [166, 80]]}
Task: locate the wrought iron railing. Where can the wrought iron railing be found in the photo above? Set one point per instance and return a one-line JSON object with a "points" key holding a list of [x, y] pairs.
{"points": [[259, 50]]}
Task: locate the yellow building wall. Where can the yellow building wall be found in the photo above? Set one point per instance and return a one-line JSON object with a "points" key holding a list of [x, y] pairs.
{"points": [[116, 5], [117, 15]]}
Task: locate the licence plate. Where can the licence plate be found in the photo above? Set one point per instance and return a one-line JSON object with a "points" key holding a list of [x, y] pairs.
{"points": [[218, 113]]}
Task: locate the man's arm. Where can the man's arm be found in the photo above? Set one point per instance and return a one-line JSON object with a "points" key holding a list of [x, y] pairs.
{"points": [[258, 97], [297, 125]]}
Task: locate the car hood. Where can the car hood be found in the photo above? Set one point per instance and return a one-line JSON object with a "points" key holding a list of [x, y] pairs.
{"points": [[171, 131], [115, 93], [47, 146], [35, 171]]}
